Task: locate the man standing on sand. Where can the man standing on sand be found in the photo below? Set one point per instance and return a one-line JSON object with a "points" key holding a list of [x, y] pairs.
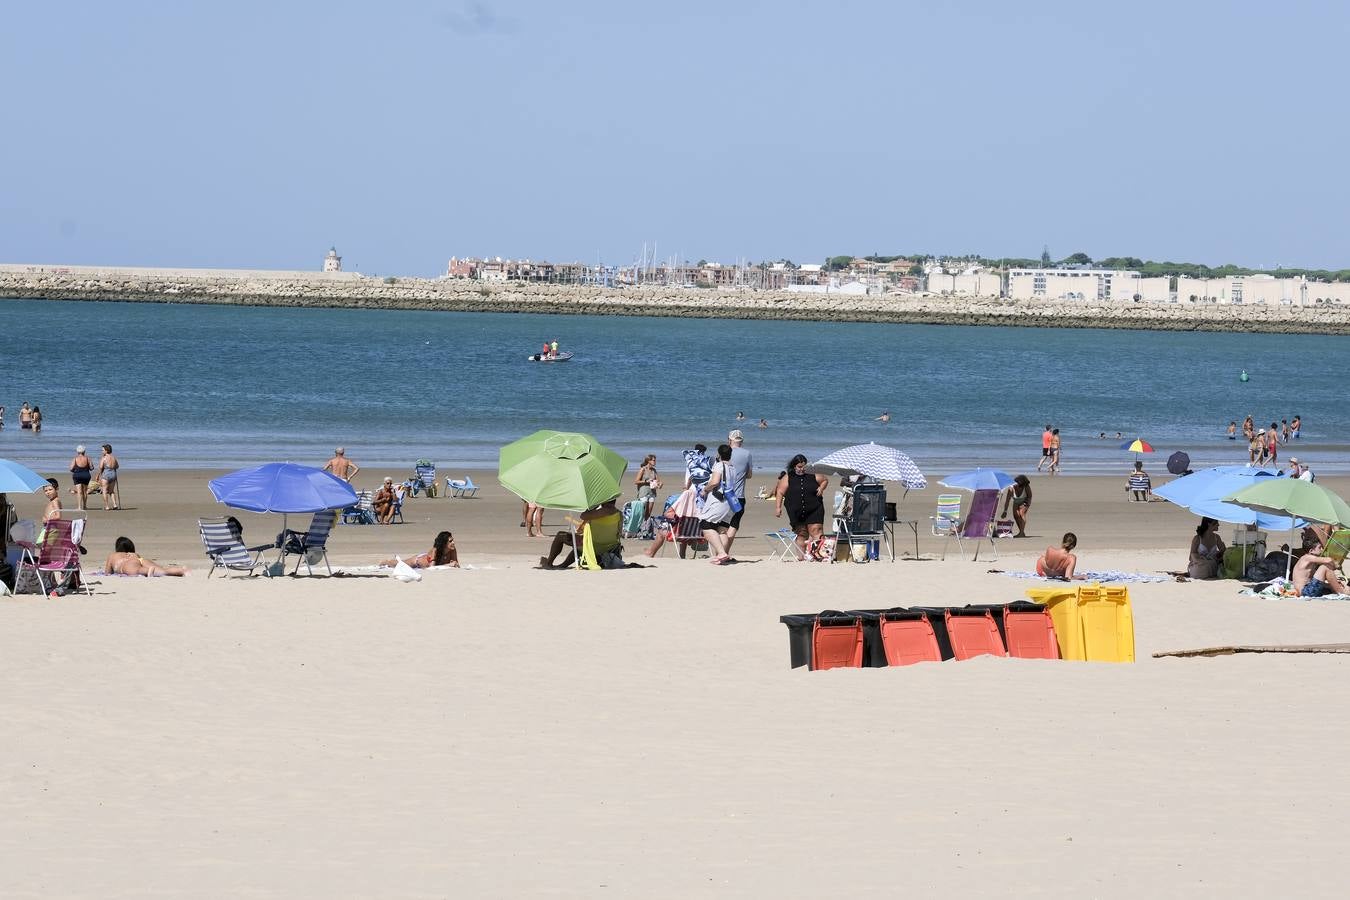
{"points": [[341, 466], [1045, 448], [742, 470]]}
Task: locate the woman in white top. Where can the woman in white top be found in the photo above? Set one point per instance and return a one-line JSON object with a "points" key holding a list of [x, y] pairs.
{"points": [[715, 517]]}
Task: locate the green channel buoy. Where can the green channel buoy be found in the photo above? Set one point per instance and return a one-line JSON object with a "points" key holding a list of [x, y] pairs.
{"points": [[1243, 376]]}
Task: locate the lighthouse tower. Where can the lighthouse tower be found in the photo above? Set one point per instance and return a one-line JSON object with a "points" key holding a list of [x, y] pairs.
{"points": [[332, 262]]}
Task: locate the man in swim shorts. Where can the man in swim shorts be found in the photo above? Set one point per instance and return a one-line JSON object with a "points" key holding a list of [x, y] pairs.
{"points": [[1045, 448]]}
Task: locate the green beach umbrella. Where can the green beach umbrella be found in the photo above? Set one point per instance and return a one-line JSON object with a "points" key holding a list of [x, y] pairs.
{"points": [[561, 470], [1292, 497]]}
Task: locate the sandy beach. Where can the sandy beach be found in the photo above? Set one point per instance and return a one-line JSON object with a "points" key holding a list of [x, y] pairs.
{"points": [[503, 730]]}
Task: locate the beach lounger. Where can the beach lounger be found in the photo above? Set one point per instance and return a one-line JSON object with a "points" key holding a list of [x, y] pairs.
{"points": [[464, 488], [226, 551], [55, 554], [837, 643], [362, 512], [973, 634], [948, 515], [978, 525], [309, 545], [908, 638]]}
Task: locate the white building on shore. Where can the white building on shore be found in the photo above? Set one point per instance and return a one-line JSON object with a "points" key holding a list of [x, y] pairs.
{"points": [[1101, 285], [332, 262]]}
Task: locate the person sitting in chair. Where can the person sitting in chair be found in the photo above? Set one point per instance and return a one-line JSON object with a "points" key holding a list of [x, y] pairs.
{"points": [[606, 519], [1059, 562], [1139, 484], [383, 502]]}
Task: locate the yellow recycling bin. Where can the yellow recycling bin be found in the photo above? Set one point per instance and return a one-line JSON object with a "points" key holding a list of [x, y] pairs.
{"points": [[1092, 622]]}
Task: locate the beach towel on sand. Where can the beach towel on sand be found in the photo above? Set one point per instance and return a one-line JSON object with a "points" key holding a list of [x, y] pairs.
{"points": [[1103, 577]]}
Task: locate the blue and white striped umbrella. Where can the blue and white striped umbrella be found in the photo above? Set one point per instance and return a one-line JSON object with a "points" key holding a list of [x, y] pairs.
{"points": [[875, 461]]}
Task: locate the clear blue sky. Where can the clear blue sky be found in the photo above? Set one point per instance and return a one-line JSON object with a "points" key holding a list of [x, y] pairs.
{"points": [[256, 134]]}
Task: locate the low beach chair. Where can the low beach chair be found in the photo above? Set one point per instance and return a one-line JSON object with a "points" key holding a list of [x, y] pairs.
{"points": [[978, 525], [464, 488], [310, 545], [423, 478], [948, 515], [782, 545], [57, 554], [226, 551], [362, 512], [1140, 488], [687, 532]]}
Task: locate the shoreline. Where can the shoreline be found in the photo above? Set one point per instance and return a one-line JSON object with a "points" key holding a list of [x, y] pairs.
{"points": [[312, 290]]}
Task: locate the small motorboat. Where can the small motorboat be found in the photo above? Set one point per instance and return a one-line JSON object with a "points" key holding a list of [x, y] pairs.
{"points": [[563, 356]]}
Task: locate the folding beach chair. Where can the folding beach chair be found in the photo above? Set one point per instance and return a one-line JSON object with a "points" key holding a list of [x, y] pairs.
{"points": [[226, 551], [1140, 488], [687, 533], [948, 515], [311, 545], [397, 514], [464, 488], [597, 538], [978, 525], [362, 512], [57, 554], [782, 545], [423, 478]]}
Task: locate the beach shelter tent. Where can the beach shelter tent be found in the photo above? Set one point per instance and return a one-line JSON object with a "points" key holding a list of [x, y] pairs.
{"points": [[561, 470]]}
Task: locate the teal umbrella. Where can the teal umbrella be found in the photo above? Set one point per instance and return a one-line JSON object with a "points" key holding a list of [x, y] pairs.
{"points": [[561, 470]]}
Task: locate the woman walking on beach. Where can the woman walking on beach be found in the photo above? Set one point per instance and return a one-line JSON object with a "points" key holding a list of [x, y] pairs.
{"points": [[802, 493], [1020, 500], [1054, 451], [107, 478], [81, 471], [715, 517]]}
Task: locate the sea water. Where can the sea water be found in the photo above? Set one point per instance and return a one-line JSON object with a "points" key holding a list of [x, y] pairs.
{"points": [[177, 385]]}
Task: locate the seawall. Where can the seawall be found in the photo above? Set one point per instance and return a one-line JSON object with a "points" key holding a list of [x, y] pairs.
{"points": [[351, 290]]}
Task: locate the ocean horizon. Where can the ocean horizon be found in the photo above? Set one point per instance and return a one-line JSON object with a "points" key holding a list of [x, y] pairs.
{"points": [[196, 386]]}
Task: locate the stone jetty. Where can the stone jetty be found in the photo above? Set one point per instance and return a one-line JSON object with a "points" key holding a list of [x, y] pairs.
{"points": [[353, 290]]}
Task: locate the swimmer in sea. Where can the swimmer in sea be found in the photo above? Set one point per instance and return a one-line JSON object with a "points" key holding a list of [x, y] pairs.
{"points": [[740, 415], [763, 423], [884, 417]]}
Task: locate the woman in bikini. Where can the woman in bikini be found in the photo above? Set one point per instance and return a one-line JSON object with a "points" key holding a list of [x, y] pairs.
{"points": [[124, 560], [81, 472], [1207, 549], [442, 553], [1059, 562]]}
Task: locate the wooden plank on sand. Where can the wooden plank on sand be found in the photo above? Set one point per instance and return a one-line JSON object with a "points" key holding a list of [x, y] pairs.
{"points": [[1255, 648]]}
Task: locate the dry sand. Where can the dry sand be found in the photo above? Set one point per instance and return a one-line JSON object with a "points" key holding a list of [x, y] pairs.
{"points": [[507, 731]]}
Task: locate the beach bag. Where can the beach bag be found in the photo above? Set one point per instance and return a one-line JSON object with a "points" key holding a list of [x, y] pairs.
{"points": [[1003, 528], [404, 572], [612, 559]]}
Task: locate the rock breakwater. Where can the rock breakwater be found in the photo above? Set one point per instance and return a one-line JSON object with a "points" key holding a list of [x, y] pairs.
{"points": [[354, 291]]}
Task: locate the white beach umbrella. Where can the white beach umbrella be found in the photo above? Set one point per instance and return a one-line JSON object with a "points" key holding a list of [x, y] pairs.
{"points": [[875, 461]]}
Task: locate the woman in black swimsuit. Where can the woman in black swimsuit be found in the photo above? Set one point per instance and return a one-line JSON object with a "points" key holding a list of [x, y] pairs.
{"points": [[81, 472], [802, 493]]}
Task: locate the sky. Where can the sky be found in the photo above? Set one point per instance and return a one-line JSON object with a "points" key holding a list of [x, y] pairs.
{"points": [[257, 134]]}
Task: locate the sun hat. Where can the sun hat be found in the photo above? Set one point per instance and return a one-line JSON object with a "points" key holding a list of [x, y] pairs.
{"points": [[736, 435]]}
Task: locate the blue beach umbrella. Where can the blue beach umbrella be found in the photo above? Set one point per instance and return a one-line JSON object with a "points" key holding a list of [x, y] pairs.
{"points": [[283, 488], [1202, 494], [979, 479], [16, 478]]}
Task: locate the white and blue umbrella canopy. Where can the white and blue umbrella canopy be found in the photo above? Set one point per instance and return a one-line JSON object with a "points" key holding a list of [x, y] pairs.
{"points": [[875, 461], [16, 478], [282, 488], [1202, 494], [979, 479]]}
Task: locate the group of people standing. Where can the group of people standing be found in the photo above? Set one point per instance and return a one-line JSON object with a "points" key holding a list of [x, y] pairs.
{"points": [[1263, 444], [30, 418]]}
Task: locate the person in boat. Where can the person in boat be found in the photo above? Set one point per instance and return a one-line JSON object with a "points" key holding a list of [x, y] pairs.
{"points": [[553, 350], [543, 354]]}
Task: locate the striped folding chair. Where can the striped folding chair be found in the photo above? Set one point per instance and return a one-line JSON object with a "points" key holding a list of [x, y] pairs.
{"points": [[310, 546], [228, 552], [947, 516]]}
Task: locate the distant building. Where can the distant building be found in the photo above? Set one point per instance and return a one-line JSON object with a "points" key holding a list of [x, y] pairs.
{"points": [[459, 268], [332, 262], [1083, 284]]}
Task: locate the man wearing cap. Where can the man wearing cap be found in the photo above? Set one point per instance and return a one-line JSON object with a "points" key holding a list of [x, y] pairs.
{"points": [[1300, 471], [341, 466], [742, 470]]}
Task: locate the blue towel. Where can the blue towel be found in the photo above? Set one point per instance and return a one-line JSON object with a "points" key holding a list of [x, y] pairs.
{"points": [[1118, 577]]}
